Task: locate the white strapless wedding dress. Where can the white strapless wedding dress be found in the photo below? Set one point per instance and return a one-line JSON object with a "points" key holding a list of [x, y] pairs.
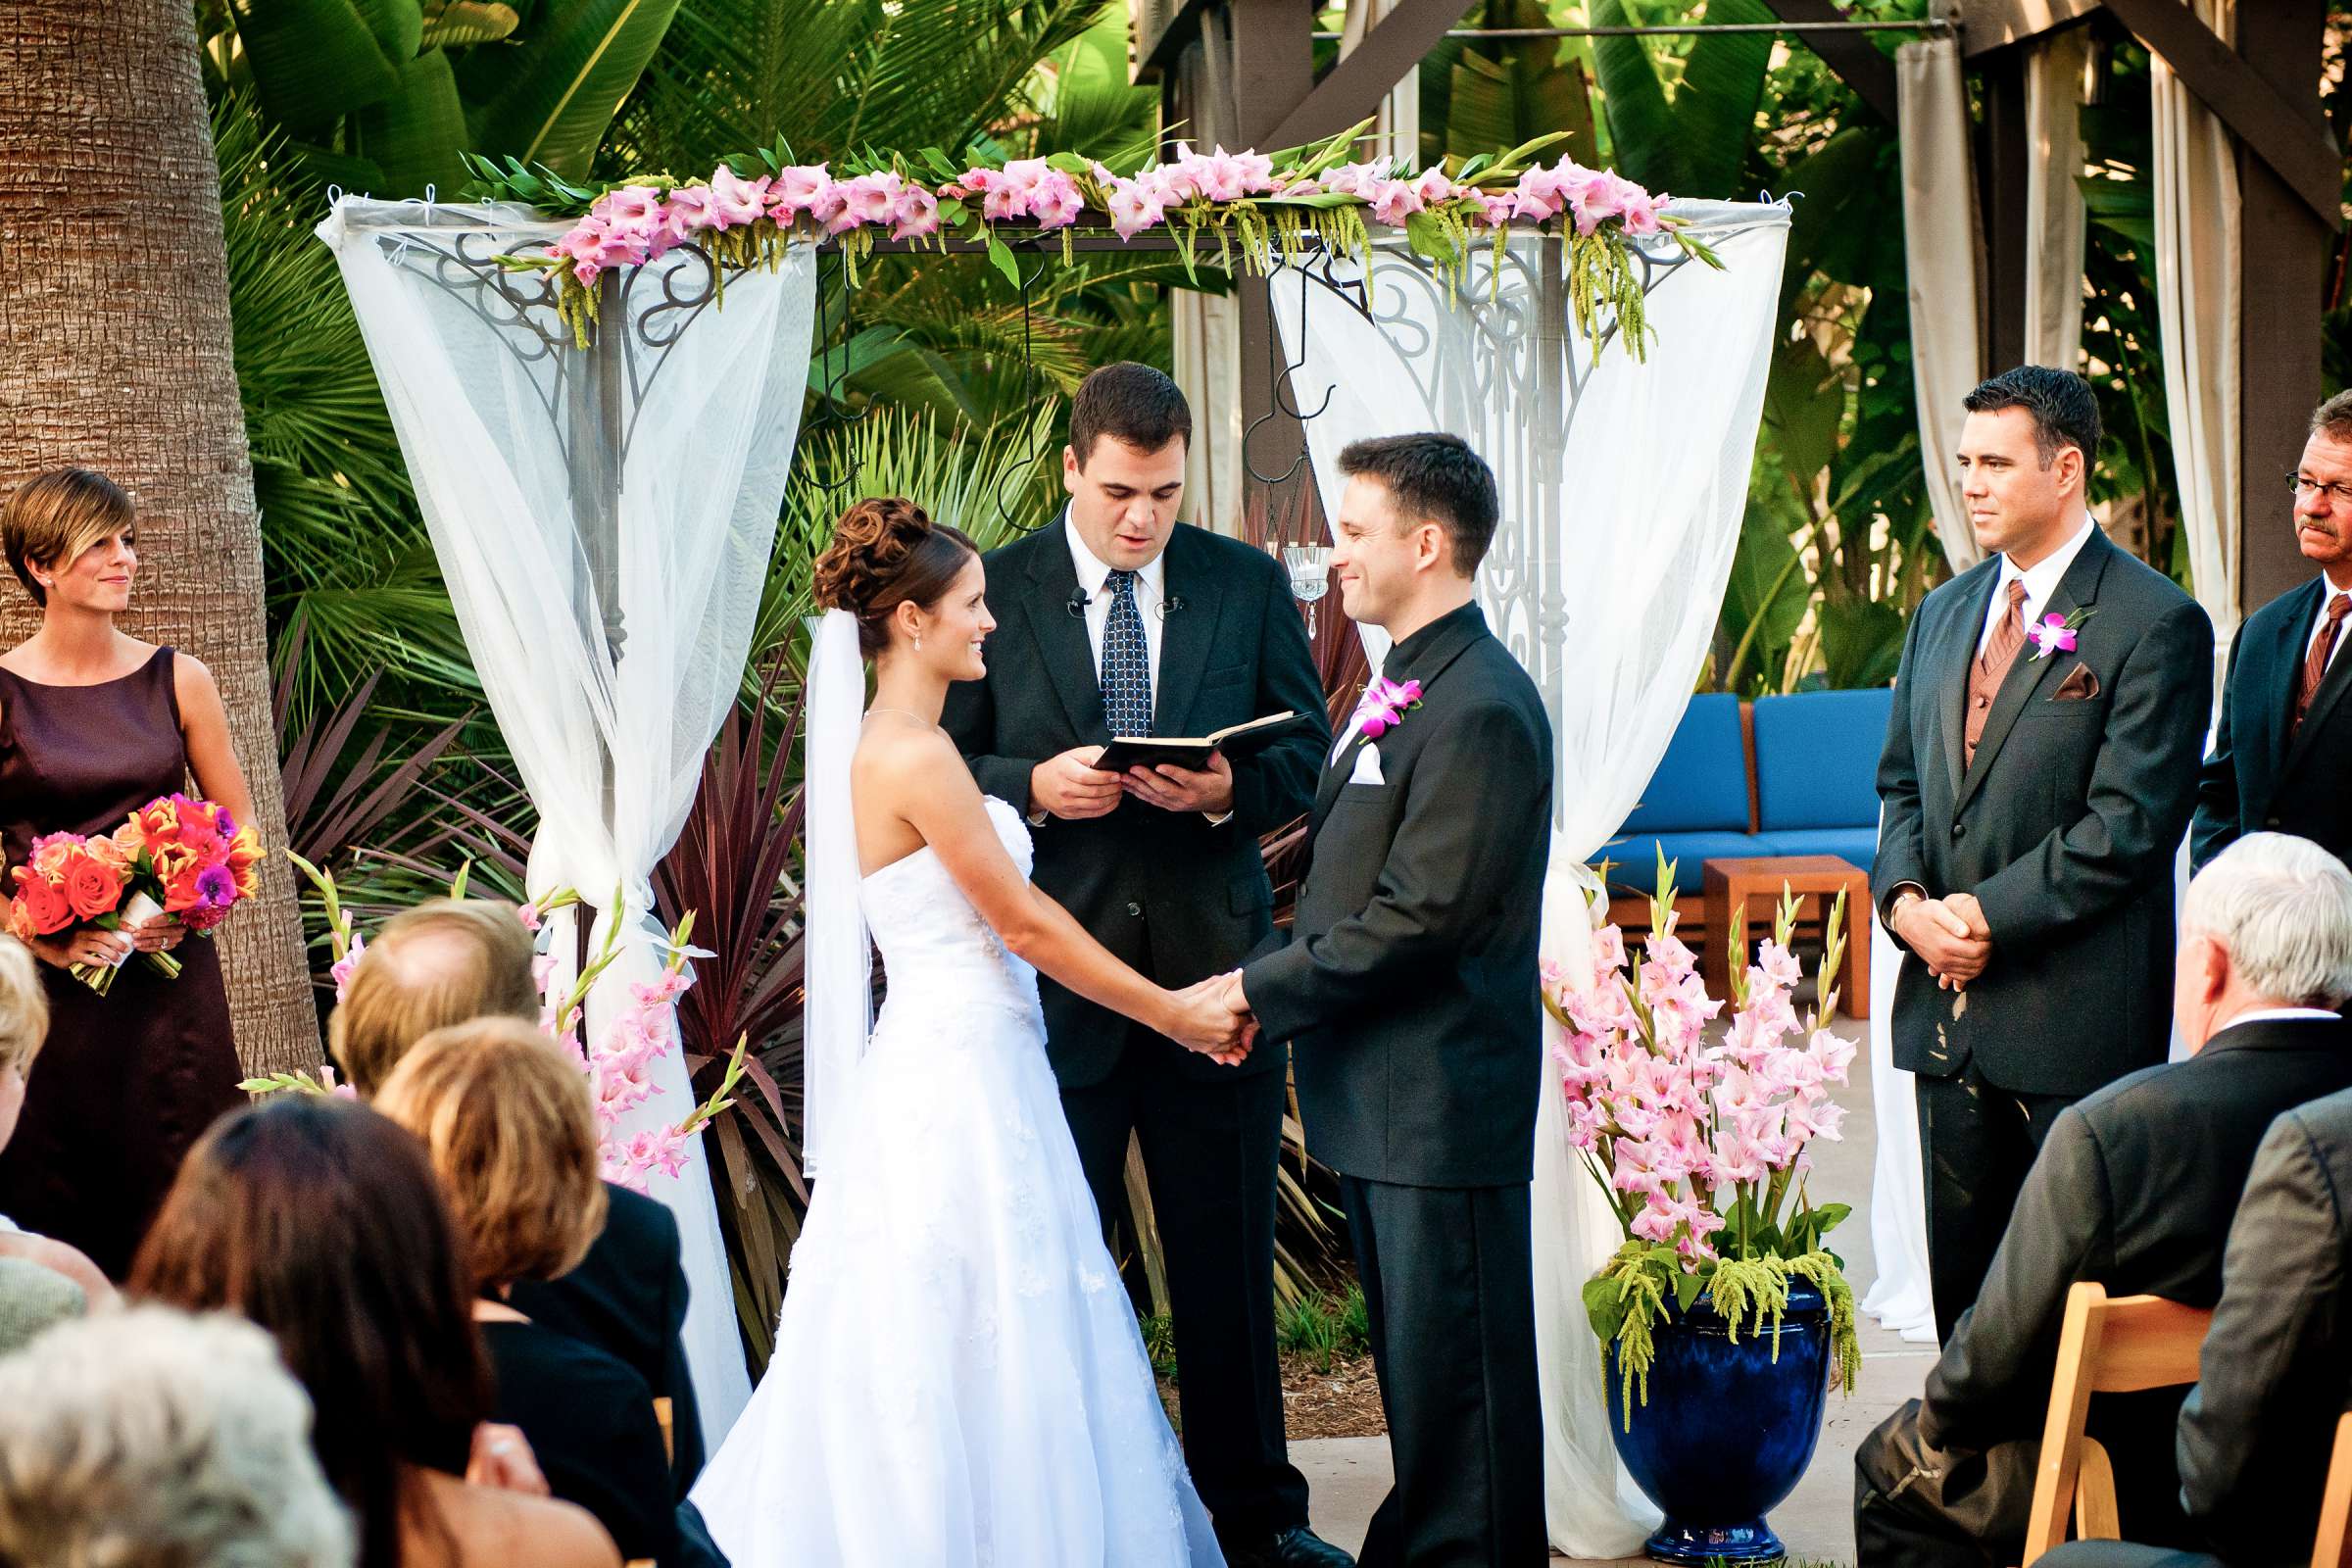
{"points": [[958, 1381]]}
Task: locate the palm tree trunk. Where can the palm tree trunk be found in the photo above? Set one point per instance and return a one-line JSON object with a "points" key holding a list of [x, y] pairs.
{"points": [[114, 310]]}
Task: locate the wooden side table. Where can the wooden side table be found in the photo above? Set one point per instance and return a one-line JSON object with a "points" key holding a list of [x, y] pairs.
{"points": [[1757, 881]]}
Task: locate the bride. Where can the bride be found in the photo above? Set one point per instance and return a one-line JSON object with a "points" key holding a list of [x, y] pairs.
{"points": [[957, 1379]]}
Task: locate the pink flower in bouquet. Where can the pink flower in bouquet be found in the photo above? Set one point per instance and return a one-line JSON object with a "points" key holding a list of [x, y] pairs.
{"points": [[1495, 210], [736, 201], [1004, 201], [1609, 951], [1606, 196], [1779, 965], [1834, 1051], [1643, 210], [344, 968], [1814, 1115], [663, 992], [657, 1148], [687, 213], [870, 199], [1539, 193], [1432, 187], [528, 915], [797, 191], [1393, 201], [1027, 175], [609, 247], [1055, 202], [1354, 180], [916, 214]]}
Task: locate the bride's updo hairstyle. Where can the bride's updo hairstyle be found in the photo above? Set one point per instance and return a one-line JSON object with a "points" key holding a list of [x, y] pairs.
{"points": [[885, 553]]}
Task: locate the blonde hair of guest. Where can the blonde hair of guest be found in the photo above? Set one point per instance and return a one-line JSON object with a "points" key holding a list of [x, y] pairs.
{"points": [[436, 964]]}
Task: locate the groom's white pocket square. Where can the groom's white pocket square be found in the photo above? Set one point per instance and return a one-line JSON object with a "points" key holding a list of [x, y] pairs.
{"points": [[1367, 766]]}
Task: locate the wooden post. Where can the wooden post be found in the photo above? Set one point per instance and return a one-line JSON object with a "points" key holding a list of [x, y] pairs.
{"points": [[2004, 155]]}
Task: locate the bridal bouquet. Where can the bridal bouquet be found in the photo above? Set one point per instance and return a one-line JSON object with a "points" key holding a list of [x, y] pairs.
{"points": [[177, 855], [1702, 1148]]}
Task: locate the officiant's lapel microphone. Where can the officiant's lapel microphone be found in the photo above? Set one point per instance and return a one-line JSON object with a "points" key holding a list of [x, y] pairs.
{"points": [[1077, 601]]}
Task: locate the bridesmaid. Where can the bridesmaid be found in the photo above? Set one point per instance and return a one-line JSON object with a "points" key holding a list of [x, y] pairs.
{"points": [[93, 724]]}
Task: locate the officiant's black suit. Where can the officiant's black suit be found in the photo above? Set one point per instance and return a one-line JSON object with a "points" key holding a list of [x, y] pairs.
{"points": [[2064, 828], [2265, 776], [2135, 1189], [1409, 994], [1180, 898]]}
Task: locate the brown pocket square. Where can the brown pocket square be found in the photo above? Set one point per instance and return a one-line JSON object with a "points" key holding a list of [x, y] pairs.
{"points": [[2079, 685]]}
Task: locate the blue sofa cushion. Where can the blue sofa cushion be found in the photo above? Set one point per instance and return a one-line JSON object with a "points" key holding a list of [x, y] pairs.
{"points": [[1701, 783], [1634, 857], [1817, 760], [1857, 847]]}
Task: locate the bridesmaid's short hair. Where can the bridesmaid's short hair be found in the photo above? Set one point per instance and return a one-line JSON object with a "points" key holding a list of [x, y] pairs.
{"points": [[438, 963], [23, 1006], [54, 516], [507, 1118]]}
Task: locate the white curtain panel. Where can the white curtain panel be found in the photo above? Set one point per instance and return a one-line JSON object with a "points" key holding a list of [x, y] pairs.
{"points": [[1899, 1296], [2055, 217], [1206, 330], [2197, 240], [603, 520], [1940, 247], [1623, 484]]}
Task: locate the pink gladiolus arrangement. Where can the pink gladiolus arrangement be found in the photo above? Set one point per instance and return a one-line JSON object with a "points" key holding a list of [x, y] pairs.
{"points": [[619, 1066], [1697, 1134]]}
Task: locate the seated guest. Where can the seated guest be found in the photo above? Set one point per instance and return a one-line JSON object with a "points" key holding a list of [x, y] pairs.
{"points": [[2135, 1187], [27, 1301], [150, 1438], [323, 1223], [451, 960], [2257, 1431], [508, 1124]]}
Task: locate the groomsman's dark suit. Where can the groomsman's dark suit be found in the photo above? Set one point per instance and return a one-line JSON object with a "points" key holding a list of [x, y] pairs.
{"points": [[2065, 827], [2257, 1429], [1180, 898], [2135, 1189], [2267, 772], [1409, 994]]}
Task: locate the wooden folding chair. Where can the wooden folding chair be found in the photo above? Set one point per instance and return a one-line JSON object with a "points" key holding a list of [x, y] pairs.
{"points": [[2118, 1347], [2335, 1503], [669, 1440]]}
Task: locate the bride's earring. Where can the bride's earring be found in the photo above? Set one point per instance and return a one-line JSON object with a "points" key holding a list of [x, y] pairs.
{"points": [[918, 642]]}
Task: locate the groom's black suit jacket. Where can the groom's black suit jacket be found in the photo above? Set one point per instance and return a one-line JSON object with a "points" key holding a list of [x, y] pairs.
{"points": [[2263, 775], [2065, 827], [1169, 892], [1409, 985]]}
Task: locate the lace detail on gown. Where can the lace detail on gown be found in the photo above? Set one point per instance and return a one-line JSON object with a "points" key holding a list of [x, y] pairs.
{"points": [[955, 1381]]}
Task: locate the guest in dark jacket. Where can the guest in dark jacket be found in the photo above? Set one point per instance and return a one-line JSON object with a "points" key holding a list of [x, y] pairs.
{"points": [[2257, 1431], [2135, 1187], [454, 960], [510, 1132], [2283, 755]]}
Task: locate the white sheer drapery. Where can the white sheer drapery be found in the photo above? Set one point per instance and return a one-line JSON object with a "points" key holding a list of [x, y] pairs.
{"points": [[1939, 249], [2056, 217], [1623, 484], [603, 520], [1900, 1295]]}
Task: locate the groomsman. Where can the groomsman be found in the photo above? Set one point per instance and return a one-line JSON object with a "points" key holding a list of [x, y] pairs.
{"points": [[2039, 773], [1410, 990], [2282, 757], [1117, 620]]}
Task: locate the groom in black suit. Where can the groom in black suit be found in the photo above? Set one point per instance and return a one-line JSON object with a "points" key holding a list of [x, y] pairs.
{"points": [[1115, 620], [2282, 757], [1409, 990], [2039, 768]]}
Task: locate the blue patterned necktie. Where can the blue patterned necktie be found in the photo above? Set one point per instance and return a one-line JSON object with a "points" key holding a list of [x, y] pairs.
{"points": [[1126, 663]]}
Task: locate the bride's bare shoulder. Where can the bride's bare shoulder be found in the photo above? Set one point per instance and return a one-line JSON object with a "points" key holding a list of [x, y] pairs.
{"points": [[896, 752]]}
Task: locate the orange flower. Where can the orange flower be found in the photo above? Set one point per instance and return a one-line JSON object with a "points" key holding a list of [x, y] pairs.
{"points": [[92, 888], [106, 852], [172, 860], [179, 892], [245, 849], [45, 907], [50, 857], [159, 818]]}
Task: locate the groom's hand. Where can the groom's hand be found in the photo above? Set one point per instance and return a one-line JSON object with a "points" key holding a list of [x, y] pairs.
{"points": [[1070, 786], [1181, 789], [1206, 1023]]}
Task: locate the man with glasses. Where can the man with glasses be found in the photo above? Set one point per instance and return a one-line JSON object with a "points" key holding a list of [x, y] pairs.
{"points": [[2282, 758]]}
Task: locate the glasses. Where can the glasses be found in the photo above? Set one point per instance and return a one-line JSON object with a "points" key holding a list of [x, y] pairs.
{"points": [[2338, 493]]}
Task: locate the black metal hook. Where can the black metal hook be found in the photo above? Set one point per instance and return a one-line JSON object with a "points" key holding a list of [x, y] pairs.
{"points": [[1015, 471], [1283, 404], [829, 415]]}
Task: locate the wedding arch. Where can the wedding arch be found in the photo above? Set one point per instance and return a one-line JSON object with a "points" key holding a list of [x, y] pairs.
{"points": [[598, 395]]}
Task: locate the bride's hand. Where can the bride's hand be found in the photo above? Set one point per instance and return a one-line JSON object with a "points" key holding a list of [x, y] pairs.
{"points": [[1204, 1021]]}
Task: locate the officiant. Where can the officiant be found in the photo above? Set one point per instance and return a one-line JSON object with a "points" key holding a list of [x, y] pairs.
{"points": [[1114, 619]]}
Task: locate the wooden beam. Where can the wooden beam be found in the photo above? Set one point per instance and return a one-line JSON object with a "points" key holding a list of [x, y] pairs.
{"points": [[1990, 24], [1851, 55], [2283, 124], [1354, 87]]}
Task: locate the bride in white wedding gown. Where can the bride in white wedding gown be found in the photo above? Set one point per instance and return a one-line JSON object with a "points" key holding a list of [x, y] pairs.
{"points": [[957, 1380]]}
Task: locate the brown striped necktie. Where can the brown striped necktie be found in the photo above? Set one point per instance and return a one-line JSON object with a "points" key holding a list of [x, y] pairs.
{"points": [[1985, 674], [2315, 664]]}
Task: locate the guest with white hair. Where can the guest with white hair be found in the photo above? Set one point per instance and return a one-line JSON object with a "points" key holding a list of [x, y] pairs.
{"points": [[42, 1279], [154, 1439], [2135, 1187]]}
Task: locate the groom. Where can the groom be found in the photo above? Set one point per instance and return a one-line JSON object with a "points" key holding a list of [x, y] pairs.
{"points": [[1410, 992], [1117, 620]]}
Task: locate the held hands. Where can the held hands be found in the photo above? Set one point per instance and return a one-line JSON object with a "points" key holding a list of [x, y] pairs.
{"points": [[1181, 789], [1949, 934], [1210, 1018]]}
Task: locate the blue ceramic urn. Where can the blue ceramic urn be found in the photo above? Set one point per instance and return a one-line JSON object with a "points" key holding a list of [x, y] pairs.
{"points": [[1728, 1430]]}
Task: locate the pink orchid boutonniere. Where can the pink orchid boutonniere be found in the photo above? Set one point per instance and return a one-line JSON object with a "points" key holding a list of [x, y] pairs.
{"points": [[2055, 634], [1385, 703]]}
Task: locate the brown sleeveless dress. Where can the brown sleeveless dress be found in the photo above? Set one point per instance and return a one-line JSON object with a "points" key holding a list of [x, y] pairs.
{"points": [[128, 1080]]}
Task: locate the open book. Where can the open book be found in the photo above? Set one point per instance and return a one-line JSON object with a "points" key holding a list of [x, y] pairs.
{"points": [[1191, 751]]}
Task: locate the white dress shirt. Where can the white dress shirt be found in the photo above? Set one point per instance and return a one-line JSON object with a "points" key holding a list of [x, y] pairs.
{"points": [[2319, 624], [2282, 1015], [2042, 579], [1151, 592]]}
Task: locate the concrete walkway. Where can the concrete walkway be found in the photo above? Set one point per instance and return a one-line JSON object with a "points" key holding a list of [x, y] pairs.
{"points": [[1350, 1475]]}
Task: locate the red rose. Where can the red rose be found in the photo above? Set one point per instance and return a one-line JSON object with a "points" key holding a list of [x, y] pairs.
{"points": [[92, 888], [46, 905]]}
